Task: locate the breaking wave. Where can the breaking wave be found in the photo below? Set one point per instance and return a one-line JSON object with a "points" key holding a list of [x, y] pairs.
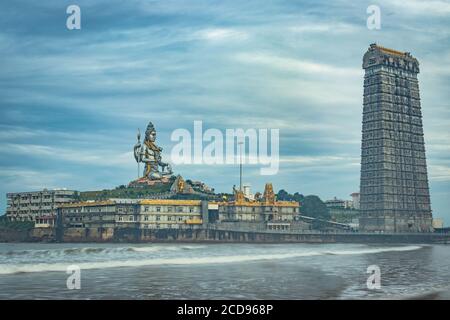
{"points": [[48, 267], [93, 250], [373, 250]]}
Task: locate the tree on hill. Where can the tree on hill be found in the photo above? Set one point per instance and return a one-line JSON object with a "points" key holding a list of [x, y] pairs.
{"points": [[311, 206], [283, 195]]}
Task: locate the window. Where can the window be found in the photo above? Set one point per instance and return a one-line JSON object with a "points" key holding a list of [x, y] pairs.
{"points": [[158, 209], [191, 209], [169, 209], [145, 209], [180, 209], [169, 218], [131, 218], [146, 218], [158, 218], [120, 219]]}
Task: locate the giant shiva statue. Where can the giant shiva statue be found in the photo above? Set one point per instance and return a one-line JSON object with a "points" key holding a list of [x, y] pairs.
{"points": [[150, 154]]}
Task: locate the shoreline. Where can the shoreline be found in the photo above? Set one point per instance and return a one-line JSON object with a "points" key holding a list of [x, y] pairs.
{"points": [[241, 237]]}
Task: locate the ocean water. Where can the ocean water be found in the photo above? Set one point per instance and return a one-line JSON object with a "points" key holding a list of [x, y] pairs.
{"points": [[224, 271]]}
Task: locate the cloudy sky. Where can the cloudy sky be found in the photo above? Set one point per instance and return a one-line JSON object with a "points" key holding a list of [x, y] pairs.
{"points": [[71, 101]]}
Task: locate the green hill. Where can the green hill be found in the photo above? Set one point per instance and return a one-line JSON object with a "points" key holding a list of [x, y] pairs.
{"points": [[125, 192]]}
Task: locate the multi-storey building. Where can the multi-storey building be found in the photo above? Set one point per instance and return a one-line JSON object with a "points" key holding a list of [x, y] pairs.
{"points": [[27, 206], [339, 203], [342, 211], [156, 214], [138, 214], [394, 184]]}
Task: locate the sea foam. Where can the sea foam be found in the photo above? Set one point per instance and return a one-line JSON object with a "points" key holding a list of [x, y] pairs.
{"points": [[223, 259]]}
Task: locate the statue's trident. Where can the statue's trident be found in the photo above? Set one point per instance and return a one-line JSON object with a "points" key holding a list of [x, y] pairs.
{"points": [[139, 142]]}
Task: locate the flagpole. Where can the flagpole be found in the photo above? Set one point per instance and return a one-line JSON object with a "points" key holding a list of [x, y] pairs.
{"points": [[240, 166]]}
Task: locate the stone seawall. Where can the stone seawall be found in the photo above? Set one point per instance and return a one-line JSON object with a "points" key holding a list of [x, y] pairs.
{"points": [[32, 235], [87, 235], [211, 235], [43, 234], [238, 236], [10, 235]]}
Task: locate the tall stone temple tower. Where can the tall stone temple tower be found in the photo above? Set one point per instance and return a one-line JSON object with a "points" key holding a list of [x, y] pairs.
{"points": [[394, 184]]}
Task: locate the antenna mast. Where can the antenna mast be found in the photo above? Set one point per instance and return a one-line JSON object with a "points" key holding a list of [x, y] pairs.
{"points": [[240, 165]]}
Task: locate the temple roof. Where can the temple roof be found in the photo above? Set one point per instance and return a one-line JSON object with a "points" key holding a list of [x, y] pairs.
{"points": [[391, 51], [379, 55]]}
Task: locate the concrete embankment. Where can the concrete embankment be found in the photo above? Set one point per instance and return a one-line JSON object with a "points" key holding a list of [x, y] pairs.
{"points": [[27, 235], [211, 235], [239, 236], [11, 235]]}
